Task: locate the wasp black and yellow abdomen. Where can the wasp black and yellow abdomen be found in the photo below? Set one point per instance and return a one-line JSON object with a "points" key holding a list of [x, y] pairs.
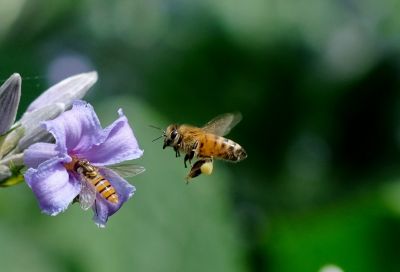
{"points": [[98, 181], [104, 188]]}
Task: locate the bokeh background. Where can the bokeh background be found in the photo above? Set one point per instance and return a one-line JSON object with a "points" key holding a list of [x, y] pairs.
{"points": [[318, 84]]}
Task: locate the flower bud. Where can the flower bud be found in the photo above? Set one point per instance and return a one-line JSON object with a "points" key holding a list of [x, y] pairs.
{"points": [[10, 93], [66, 91], [10, 140], [5, 172]]}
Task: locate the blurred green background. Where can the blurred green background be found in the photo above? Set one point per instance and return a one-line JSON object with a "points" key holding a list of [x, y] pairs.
{"points": [[318, 84]]}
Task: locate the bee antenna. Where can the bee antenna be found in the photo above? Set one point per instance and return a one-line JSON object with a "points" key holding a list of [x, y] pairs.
{"points": [[163, 135], [158, 138], [155, 127]]}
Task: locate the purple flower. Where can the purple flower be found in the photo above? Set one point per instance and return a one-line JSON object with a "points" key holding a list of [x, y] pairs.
{"points": [[54, 176]]}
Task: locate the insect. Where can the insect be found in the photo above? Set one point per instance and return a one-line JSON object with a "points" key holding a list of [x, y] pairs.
{"points": [[93, 182], [205, 143]]}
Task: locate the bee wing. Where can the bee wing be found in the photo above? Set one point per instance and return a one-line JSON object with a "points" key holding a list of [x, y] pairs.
{"points": [[87, 196], [222, 124], [127, 169]]}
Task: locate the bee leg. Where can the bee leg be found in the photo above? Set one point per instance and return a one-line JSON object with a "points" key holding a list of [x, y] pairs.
{"points": [[193, 152], [201, 166], [188, 157], [185, 159], [177, 153], [195, 170], [191, 155]]}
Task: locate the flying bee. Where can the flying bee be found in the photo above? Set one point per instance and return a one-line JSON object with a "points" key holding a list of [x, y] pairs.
{"points": [[205, 143], [93, 182]]}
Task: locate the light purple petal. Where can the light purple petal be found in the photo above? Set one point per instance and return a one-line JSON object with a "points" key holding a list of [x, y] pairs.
{"points": [[75, 130], [38, 153], [119, 144], [53, 186], [66, 91], [103, 208], [32, 123]]}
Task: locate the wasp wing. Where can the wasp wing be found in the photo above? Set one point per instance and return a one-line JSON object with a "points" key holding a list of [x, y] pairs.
{"points": [[222, 124], [127, 169], [87, 196]]}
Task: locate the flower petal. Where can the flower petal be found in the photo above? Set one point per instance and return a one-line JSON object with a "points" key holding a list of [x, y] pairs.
{"points": [[119, 144], [77, 129], [66, 91], [38, 153], [32, 124], [103, 208], [10, 93], [53, 186]]}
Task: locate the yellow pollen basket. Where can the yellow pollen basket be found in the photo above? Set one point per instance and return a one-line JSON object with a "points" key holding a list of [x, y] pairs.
{"points": [[207, 168]]}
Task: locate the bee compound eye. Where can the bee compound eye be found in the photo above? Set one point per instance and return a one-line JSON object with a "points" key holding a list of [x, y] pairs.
{"points": [[173, 134]]}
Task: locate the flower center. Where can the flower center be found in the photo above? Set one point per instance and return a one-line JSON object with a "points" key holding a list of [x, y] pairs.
{"points": [[71, 165]]}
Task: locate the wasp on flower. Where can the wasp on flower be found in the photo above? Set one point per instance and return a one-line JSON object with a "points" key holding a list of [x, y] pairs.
{"points": [[86, 163]]}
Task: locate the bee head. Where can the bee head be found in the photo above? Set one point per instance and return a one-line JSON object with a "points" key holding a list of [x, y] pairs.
{"points": [[171, 136]]}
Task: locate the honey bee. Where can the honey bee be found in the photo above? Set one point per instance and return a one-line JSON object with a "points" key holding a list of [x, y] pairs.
{"points": [[205, 143], [93, 182]]}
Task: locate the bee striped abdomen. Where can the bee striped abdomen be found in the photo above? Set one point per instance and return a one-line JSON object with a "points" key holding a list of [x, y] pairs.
{"points": [[231, 151], [222, 148], [234, 153]]}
